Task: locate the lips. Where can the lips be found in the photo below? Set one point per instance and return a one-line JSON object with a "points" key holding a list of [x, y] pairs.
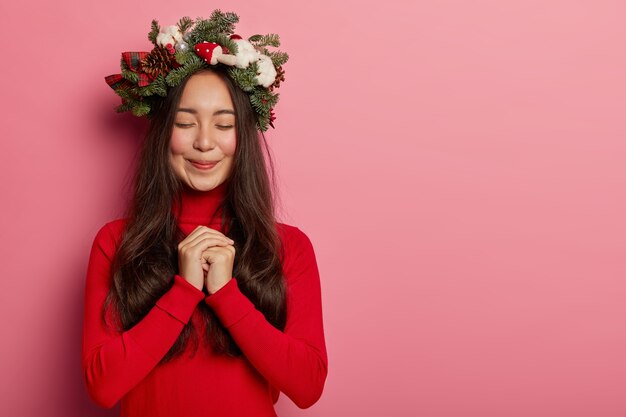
{"points": [[201, 164]]}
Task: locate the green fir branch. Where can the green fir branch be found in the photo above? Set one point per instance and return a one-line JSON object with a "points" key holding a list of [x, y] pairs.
{"points": [[130, 75], [186, 57], [157, 86], [125, 94], [258, 106], [264, 94], [271, 39], [134, 91], [274, 100], [126, 106], [160, 86], [256, 99], [218, 24], [262, 123], [141, 109], [278, 58], [176, 75], [154, 32], [184, 24], [225, 41], [244, 77], [200, 30], [205, 30], [224, 22]]}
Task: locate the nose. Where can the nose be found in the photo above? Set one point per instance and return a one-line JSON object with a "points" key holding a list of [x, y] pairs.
{"points": [[205, 140]]}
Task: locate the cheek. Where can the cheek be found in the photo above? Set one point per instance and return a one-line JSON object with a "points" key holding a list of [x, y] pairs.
{"points": [[229, 145], [177, 144], [177, 149]]}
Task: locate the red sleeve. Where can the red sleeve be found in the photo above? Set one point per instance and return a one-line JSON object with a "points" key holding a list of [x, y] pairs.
{"points": [[114, 362], [294, 361]]}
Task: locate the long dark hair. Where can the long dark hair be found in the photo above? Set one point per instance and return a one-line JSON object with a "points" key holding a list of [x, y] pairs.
{"points": [[147, 258]]}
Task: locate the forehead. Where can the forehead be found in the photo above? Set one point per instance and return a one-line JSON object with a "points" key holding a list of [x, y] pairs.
{"points": [[206, 91]]}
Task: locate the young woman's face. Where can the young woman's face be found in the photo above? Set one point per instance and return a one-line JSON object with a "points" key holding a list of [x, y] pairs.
{"points": [[204, 132]]}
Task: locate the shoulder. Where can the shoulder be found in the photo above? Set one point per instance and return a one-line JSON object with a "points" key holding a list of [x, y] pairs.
{"points": [[112, 229], [109, 235], [297, 246], [293, 236]]}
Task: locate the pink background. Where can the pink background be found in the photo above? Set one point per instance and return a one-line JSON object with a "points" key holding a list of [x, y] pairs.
{"points": [[459, 167]]}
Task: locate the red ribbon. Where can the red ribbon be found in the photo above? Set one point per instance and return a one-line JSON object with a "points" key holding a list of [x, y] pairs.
{"points": [[133, 62]]}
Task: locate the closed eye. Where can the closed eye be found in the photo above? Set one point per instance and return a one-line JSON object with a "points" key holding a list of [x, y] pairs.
{"points": [[189, 125]]}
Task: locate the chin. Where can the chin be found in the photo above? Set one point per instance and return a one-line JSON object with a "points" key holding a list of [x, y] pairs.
{"points": [[203, 184]]}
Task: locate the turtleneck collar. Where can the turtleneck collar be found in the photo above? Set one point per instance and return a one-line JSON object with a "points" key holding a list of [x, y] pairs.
{"points": [[199, 207]]}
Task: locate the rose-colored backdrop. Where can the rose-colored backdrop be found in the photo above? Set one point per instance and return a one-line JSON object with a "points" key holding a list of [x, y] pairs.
{"points": [[459, 167]]}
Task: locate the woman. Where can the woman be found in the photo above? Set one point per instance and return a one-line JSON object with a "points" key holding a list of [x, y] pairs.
{"points": [[198, 302]]}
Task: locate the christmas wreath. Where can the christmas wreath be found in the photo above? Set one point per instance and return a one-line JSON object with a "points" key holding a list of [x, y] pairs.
{"points": [[182, 49]]}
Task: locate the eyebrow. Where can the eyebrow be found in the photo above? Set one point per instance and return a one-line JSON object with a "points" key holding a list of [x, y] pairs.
{"points": [[216, 113]]}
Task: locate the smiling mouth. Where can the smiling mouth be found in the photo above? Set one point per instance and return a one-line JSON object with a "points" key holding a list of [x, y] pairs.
{"points": [[204, 165]]}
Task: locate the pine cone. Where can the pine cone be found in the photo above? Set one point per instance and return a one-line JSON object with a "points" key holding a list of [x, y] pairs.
{"points": [[280, 76], [158, 61]]}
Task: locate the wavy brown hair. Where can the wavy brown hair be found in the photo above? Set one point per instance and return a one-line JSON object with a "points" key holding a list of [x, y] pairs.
{"points": [[146, 260]]}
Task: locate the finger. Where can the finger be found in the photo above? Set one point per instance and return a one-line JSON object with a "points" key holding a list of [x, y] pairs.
{"points": [[200, 231], [231, 248], [209, 253], [201, 243], [216, 239], [228, 247], [205, 243], [194, 233], [209, 230], [204, 229]]}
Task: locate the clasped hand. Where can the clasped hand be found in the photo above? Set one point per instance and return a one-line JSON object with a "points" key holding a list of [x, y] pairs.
{"points": [[206, 257]]}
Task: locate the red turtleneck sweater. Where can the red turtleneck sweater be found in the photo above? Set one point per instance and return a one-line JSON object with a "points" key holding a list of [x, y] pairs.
{"points": [[124, 365]]}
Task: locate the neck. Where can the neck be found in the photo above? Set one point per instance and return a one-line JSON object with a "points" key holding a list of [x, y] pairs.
{"points": [[199, 207]]}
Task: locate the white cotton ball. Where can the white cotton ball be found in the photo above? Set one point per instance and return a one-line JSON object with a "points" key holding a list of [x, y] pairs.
{"points": [[227, 59], [267, 71], [175, 33], [244, 45], [164, 38], [169, 34], [171, 30], [246, 53]]}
